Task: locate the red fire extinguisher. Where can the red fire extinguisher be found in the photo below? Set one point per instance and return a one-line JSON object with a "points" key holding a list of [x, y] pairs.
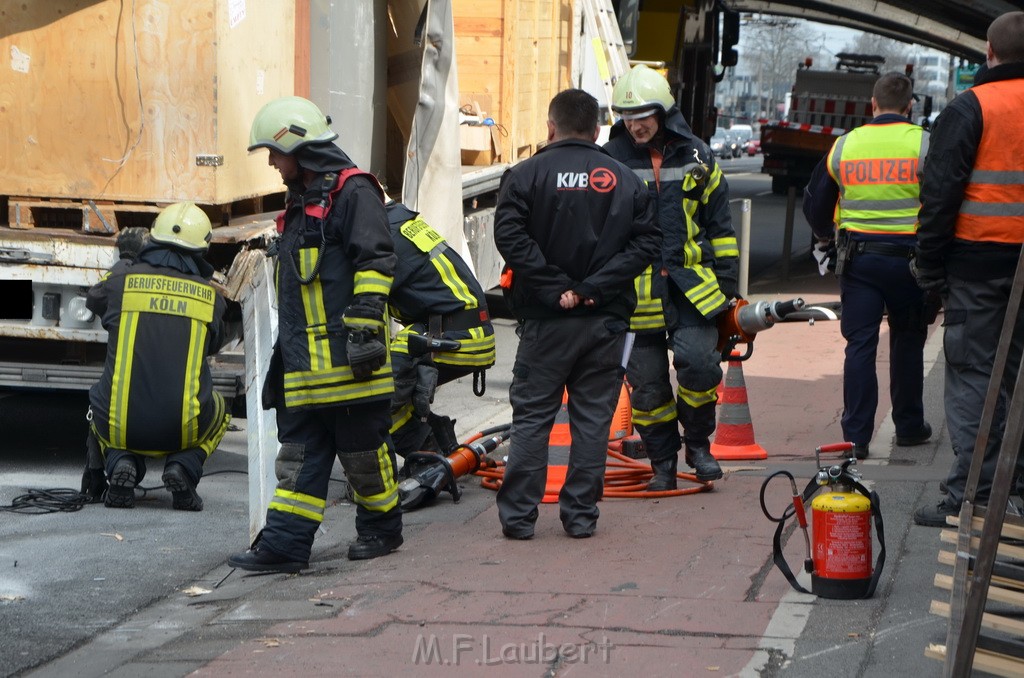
{"points": [[839, 553]]}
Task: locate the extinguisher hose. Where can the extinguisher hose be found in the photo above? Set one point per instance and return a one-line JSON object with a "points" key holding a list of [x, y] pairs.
{"points": [[797, 508]]}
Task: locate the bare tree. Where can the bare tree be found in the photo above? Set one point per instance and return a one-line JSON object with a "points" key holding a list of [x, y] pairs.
{"points": [[774, 48], [895, 53]]}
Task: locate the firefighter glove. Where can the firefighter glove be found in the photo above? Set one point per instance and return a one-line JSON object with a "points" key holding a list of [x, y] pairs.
{"points": [[366, 352], [366, 311], [131, 240]]}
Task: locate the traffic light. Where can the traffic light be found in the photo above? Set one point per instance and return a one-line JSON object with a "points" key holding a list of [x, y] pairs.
{"points": [[730, 36]]}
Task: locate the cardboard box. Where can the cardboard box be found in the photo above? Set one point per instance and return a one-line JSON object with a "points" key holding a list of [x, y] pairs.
{"points": [[477, 144]]}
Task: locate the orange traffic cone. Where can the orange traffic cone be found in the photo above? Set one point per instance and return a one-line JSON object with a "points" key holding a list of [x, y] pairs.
{"points": [[560, 440], [734, 436]]}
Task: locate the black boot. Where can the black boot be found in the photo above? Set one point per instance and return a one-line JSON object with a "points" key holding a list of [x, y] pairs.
{"points": [[121, 489], [705, 466], [262, 559], [183, 491], [698, 425], [373, 546], [664, 474]]}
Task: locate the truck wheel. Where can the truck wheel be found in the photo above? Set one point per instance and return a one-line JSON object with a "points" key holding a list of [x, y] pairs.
{"points": [[779, 185]]}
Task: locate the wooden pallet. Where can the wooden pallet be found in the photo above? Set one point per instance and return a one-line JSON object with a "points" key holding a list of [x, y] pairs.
{"points": [[986, 589], [109, 217]]}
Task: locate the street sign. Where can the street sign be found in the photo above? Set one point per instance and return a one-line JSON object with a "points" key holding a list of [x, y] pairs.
{"points": [[964, 77]]}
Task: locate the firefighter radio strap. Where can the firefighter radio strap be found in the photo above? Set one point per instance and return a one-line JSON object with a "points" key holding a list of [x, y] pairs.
{"points": [[839, 559]]}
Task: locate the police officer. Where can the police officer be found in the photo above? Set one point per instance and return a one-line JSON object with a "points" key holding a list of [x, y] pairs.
{"points": [[969, 242], [155, 397], [435, 294], [685, 288], [329, 380], [575, 227], [868, 187]]}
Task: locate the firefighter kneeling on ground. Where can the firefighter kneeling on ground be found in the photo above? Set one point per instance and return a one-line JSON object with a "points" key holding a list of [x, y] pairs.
{"points": [[155, 397], [435, 294]]}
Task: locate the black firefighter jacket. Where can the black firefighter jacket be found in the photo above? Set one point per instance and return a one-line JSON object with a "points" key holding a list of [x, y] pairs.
{"points": [[573, 218], [335, 244], [699, 250], [156, 391], [434, 289]]}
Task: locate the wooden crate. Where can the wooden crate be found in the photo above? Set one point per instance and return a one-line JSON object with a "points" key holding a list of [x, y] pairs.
{"points": [[512, 56], [98, 102]]}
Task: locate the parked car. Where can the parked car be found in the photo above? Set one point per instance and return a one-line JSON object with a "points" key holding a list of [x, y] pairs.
{"points": [[725, 146], [741, 135], [718, 146]]}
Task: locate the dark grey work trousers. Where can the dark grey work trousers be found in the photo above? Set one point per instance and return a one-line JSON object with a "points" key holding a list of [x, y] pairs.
{"points": [[973, 320], [581, 355]]}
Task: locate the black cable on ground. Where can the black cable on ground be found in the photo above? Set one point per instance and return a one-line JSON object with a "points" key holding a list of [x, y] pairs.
{"points": [[37, 502]]}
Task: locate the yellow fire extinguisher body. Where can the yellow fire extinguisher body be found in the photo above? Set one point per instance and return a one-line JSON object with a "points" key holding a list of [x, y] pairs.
{"points": [[841, 540]]}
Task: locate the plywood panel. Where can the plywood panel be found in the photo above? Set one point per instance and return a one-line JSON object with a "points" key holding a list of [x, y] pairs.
{"points": [[124, 114], [477, 8], [535, 38], [479, 47], [473, 26]]}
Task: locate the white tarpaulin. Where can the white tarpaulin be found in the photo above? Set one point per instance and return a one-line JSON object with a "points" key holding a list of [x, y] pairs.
{"points": [[433, 170]]}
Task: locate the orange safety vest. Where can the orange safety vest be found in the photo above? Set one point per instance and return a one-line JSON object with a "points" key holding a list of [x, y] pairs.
{"points": [[993, 205]]}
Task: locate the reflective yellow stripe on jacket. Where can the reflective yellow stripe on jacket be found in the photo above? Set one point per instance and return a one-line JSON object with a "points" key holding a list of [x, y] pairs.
{"points": [[166, 295], [649, 314]]}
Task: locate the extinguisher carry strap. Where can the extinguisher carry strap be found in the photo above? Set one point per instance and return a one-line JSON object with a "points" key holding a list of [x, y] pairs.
{"points": [[876, 511], [777, 557]]}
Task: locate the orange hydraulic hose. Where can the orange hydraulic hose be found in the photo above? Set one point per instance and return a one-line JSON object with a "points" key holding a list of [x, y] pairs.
{"points": [[624, 478]]}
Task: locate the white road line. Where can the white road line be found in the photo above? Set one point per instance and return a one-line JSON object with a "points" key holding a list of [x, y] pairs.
{"points": [[782, 631]]}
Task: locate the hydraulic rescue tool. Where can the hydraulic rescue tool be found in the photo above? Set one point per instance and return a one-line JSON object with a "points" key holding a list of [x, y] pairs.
{"points": [[428, 474], [743, 320], [839, 549]]}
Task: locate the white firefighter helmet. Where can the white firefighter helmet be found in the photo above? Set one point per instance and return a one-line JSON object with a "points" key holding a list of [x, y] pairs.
{"points": [[289, 123], [641, 92]]}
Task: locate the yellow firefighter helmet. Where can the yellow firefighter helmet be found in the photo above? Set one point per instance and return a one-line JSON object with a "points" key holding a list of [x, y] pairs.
{"points": [[183, 225]]}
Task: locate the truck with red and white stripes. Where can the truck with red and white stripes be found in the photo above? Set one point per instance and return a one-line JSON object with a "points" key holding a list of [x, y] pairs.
{"points": [[824, 105]]}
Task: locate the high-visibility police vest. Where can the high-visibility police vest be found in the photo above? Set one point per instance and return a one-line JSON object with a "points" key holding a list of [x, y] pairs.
{"points": [[993, 205], [875, 167]]}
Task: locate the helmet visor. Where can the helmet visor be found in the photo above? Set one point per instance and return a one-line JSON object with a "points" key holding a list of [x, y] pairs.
{"points": [[637, 115]]}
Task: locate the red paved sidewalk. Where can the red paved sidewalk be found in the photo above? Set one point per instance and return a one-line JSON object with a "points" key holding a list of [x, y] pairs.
{"points": [[671, 587]]}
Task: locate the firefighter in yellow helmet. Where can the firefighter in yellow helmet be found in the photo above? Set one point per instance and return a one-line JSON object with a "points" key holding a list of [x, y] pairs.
{"points": [[155, 398], [330, 375], [680, 295]]}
